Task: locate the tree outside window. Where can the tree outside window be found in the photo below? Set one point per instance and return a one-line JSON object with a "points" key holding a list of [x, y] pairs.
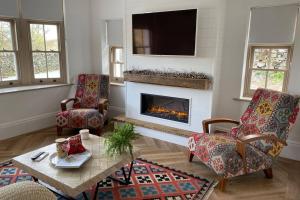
{"points": [[268, 67], [8, 52], [45, 51]]}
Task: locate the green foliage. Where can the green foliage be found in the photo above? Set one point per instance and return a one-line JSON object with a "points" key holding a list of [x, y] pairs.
{"points": [[120, 141], [276, 77], [7, 59]]}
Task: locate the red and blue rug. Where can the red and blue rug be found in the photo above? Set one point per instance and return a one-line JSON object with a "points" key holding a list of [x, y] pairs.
{"points": [[148, 181]]}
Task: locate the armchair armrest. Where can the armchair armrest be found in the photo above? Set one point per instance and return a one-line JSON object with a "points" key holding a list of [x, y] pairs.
{"points": [[207, 122], [63, 103], [103, 105], [244, 140], [255, 137]]}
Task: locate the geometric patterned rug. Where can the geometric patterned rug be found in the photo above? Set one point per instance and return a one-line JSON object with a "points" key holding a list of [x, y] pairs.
{"points": [[149, 181]]}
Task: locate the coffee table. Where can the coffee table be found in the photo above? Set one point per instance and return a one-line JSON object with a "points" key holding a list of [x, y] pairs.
{"points": [[71, 182]]}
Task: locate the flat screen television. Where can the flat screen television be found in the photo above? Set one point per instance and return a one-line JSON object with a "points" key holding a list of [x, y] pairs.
{"points": [[165, 33]]}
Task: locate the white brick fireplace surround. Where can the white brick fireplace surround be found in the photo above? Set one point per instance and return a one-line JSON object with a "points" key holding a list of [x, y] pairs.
{"points": [[200, 102]]}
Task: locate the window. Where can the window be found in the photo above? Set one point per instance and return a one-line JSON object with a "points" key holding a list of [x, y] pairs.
{"points": [[32, 45], [41, 59], [45, 52], [8, 52], [116, 64], [267, 67]]}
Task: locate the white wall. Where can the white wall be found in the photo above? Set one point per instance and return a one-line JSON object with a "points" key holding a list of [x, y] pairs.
{"points": [[206, 36], [223, 28], [103, 10], [231, 68], [27, 111], [78, 37], [206, 45]]}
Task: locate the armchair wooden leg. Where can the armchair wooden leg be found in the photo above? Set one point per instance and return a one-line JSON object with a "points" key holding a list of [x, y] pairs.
{"points": [[268, 172], [222, 184], [59, 130], [191, 156]]}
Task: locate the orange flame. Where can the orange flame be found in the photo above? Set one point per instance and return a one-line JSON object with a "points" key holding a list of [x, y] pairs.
{"points": [[160, 109]]}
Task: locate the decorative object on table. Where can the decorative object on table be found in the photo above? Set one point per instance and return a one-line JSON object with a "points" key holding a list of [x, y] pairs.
{"points": [[71, 161], [148, 181], [61, 147], [85, 134], [254, 144], [90, 104], [70, 153], [75, 145], [121, 140], [171, 78]]}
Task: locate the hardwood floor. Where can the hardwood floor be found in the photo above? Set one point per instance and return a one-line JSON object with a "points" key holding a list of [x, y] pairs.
{"points": [[284, 185]]}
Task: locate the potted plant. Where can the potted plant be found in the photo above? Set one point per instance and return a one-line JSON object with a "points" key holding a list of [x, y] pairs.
{"points": [[120, 141]]}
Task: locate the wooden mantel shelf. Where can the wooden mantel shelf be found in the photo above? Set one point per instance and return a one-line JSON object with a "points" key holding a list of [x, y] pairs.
{"points": [[201, 84], [153, 126]]}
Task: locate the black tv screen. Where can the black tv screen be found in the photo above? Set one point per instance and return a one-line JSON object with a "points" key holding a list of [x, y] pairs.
{"points": [[165, 33]]}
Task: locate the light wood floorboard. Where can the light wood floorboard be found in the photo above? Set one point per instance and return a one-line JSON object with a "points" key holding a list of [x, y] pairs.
{"points": [[284, 185]]}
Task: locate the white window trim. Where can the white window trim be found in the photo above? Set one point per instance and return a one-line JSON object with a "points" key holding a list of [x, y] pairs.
{"points": [[113, 79], [13, 22], [247, 92], [61, 51]]}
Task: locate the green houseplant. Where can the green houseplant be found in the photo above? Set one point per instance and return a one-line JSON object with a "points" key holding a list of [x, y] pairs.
{"points": [[121, 140]]}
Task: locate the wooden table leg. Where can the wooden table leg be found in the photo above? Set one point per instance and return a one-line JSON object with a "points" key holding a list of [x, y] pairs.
{"points": [[85, 196], [35, 179], [96, 191]]}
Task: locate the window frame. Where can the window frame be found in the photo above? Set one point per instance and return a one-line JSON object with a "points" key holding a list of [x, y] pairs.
{"points": [[14, 34], [61, 52], [114, 79], [248, 92]]}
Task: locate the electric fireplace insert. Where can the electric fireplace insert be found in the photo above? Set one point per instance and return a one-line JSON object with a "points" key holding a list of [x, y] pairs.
{"points": [[165, 107]]}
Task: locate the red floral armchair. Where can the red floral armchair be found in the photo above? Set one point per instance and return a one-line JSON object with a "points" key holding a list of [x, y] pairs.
{"points": [[89, 109], [252, 145]]}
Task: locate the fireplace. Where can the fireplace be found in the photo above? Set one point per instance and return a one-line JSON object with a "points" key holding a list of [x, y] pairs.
{"points": [[165, 107]]}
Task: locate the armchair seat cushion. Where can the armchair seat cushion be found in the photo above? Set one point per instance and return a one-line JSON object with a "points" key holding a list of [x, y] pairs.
{"points": [[218, 151], [81, 118]]}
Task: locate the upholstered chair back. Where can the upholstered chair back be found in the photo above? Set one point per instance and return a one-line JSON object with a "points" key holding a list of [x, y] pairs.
{"points": [[90, 88], [272, 113]]}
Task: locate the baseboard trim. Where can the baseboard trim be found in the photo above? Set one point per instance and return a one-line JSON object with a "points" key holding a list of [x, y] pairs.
{"points": [[291, 151], [26, 125], [117, 109]]}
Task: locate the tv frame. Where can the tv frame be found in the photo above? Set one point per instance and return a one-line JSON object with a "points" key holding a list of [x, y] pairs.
{"points": [[155, 55]]}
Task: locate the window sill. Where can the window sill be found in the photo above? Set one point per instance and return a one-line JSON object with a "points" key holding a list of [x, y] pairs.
{"points": [[29, 88], [117, 84], [245, 99]]}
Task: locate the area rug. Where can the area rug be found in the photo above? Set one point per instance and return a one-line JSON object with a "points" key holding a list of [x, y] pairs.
{"points": [[148, 181]]}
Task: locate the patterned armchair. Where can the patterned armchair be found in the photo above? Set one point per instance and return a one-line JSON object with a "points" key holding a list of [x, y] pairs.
{"points": [[252, 145], [89, 109]]}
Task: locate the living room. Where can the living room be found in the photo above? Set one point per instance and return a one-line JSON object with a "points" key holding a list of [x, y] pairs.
{"points": [[203, 63]]}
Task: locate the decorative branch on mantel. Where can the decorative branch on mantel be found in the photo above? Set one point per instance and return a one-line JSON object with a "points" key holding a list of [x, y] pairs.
{"points": [[175, 74], [178, 79]]}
